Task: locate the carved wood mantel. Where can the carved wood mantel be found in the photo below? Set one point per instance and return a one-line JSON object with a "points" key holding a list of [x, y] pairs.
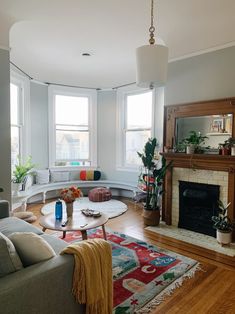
{"points": [[198, 161]]}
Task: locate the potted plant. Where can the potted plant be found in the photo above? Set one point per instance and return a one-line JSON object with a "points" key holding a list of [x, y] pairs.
{"points": [[150, 181], [223, 224], [194, 142], [19, 174], [228, 147]]}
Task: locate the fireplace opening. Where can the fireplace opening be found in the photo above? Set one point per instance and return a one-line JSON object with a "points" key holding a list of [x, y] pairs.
{"points": [[197, 204]]}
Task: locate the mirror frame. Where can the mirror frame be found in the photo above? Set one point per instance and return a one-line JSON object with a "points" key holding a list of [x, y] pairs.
{"points": [[195, 109]]}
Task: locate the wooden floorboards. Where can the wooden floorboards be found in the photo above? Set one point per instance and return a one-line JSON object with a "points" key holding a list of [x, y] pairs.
{"points": [[211, 290]]}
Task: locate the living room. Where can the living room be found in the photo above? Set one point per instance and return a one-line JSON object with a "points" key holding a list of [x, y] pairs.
{"points": [[41, 51]]}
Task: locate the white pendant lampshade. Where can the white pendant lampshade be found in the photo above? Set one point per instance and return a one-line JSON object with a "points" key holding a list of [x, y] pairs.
{"points": [[151, 65], [151, 61]]}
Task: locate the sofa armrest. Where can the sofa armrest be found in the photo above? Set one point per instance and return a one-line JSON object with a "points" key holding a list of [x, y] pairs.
{"points": [[42, 288], [4, 209]]}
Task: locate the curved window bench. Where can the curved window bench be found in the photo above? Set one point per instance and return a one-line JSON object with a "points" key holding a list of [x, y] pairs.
{"points": [[35, 189]]}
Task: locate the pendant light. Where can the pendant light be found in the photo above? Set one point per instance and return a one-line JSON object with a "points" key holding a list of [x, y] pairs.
{"points": [[152, 61]]}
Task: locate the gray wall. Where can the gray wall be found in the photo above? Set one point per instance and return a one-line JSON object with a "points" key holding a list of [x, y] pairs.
{"points": [[39, 124], [5, 138], [204, 77]]}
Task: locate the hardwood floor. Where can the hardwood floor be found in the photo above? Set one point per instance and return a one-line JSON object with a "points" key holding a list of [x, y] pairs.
{"points": [[211, 290]]}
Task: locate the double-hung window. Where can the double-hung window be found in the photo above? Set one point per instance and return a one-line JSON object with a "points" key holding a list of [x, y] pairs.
{"points": [[19, 103], [135, 125], [72, 127]]}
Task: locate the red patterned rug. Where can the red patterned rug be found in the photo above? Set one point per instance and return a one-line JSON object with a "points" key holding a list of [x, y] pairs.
{"points": [[143, 274]]}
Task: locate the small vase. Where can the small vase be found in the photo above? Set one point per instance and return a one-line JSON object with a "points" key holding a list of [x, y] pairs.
{"points": [[69, 209]]}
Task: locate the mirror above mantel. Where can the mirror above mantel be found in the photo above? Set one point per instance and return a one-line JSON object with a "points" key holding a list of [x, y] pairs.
{"points": [[214, 119]]}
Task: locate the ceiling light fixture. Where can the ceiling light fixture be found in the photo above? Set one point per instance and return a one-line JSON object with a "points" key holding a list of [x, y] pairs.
{"points": [[152, 61]]}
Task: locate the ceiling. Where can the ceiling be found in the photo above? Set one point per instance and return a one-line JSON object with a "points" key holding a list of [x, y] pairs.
{"points": [[47, 38]]}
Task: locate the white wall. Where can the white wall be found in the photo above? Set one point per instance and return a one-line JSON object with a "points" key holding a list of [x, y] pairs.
{"points": [[5, 138]]}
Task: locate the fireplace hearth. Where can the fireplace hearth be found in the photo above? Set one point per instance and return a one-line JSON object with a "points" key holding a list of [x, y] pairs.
{"points": [[197, 204]]}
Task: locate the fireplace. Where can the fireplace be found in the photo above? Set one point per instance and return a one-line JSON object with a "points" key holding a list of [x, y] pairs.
{"points": [[197, 204]]}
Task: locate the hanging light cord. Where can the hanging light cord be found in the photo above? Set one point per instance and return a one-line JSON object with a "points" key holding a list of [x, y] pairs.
{"points": [[152, 28]]}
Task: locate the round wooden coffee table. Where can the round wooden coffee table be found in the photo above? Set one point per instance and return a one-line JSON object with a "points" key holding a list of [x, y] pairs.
{"points": [[78, 222]]}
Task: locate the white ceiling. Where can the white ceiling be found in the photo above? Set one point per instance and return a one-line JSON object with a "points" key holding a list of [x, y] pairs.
{"points": [[49, 36]]}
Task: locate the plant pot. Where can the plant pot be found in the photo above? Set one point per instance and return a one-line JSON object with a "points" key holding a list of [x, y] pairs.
{"points": [[151, 217], [223, 237], [226, 151], [190, 149], [16, 188]]}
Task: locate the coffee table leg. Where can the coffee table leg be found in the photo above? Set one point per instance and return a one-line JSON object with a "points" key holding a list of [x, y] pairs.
{"points": [[84, 234], [64, 234], [44, 229], [104, 233]]}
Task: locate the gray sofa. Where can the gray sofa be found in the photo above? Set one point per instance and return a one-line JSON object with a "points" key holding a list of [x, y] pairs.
{"points": [[44, 287]]}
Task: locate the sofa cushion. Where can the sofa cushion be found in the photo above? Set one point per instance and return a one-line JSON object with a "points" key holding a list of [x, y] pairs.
{"points": [[13, 224], [42, 176], [9, 259], [59, 176], [90, 175], [31, 247], [57, 244]]}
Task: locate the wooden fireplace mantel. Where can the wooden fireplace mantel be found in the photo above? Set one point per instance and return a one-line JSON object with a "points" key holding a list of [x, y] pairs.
{"points": [[198, 161]]}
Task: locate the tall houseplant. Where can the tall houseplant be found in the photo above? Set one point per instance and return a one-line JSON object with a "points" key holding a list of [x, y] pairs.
{"points": [[151, 180]]}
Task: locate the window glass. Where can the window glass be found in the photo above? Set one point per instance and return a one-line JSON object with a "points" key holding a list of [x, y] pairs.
{"points": [[139, 110], [138, 121], [72, 130]]}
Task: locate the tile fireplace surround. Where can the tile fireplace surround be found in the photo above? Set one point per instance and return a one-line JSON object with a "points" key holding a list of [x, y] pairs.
{"points": [[199, 176], [199, 168]]}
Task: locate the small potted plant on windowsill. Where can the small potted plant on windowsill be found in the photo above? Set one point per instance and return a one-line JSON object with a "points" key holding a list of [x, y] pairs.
{"points": [[194, 143], [223, 224], [19, 174], [151, 180]]}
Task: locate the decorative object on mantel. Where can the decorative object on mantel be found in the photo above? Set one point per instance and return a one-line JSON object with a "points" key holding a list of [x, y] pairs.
{"points": [[152, 61], [223, 224], [228, 147], [193, 143], [150, 181], [69, 195]]}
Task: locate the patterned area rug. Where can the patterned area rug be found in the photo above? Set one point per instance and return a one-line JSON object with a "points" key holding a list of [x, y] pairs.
{"points": [[112, 208], [143, 274]]}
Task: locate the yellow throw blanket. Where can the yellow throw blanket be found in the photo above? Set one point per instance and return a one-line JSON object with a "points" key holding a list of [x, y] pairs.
{"points": [[92, 277]]}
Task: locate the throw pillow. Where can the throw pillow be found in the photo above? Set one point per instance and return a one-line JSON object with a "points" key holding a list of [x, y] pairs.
{"points": [[59, 176], [9, 259], [31, 247], [42, 176], [90, 175]]}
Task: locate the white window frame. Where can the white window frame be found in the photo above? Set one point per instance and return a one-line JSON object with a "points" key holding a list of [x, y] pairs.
{"points": [[24, 111], [54, 90], [122, 95]]}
